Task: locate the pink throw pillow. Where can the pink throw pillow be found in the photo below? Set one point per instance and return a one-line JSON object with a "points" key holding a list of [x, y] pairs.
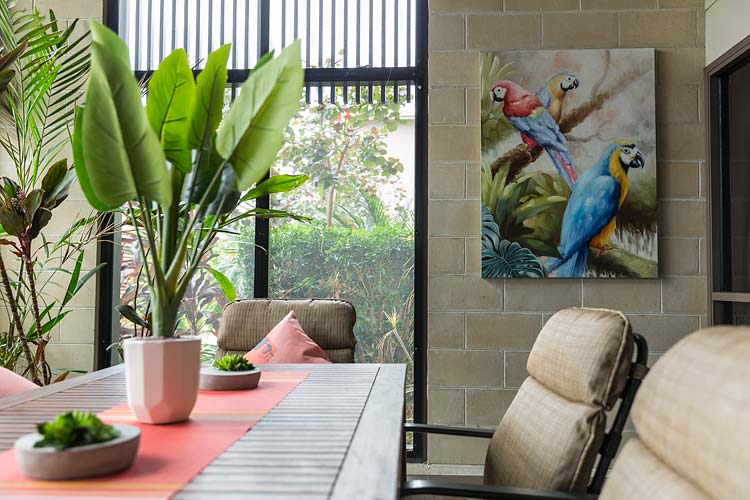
{"points": [[287, 343], [12, 383]]}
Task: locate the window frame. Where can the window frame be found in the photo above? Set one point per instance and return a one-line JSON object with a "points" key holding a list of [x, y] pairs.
{"points": [[720, 299], [107, 288]]}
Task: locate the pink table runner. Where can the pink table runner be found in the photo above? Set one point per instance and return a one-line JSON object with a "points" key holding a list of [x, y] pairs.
{"points": [[169, 455]]}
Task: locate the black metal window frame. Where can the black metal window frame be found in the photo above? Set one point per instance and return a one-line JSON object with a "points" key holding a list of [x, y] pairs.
{"points": [[719, 247], [416, 75]]}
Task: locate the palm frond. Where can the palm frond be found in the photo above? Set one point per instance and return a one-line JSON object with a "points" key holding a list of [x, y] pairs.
{"points": [[49, 77]]}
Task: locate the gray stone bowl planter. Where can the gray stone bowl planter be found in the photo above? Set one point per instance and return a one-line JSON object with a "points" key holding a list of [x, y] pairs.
{"points": [[79, 461], [213, 379]]}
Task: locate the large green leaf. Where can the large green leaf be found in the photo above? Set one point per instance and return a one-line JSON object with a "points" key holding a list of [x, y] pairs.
{"points": [[80, 166], [510, 260], [277, 184], [252, 132], [121, 153], [170, 96], [209, 98], [225, 283]]}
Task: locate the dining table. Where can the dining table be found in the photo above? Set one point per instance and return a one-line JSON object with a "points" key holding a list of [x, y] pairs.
{"points": [[337, 435]]}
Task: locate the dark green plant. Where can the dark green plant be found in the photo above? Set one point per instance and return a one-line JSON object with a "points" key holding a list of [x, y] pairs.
{"points": [[74, 428], [42, 74], [233, 363], [502, 258]]}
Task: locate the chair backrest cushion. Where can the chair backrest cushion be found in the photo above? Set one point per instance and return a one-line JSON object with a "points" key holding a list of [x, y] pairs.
{"points": [[287, 343], [328, 322], [584, 355], [552, 431], [692, 416], [12, 383], [544, 441]]}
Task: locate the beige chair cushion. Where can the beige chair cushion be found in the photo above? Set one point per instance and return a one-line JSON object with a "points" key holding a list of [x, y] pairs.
{"points": [[544, 441], [584, 355], [329, 322], [693, 414], [638, 474], [550, 435]]}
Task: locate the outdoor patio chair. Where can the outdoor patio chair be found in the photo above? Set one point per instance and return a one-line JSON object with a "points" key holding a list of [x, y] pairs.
{"points": [[328, 322], [548, 439], [691, 419]]}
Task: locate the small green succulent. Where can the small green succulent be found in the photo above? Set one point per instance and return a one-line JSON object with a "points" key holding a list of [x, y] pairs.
{"points": [[233, 363], [74, 428]]}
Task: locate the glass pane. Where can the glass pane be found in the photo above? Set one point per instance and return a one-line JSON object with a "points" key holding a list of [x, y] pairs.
{"points": [[359, 242], [732, 313], [737, 184]]}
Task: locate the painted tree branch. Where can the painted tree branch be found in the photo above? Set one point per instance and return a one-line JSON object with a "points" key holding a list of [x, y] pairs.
{"points": [[522, 156], [622, 263]]}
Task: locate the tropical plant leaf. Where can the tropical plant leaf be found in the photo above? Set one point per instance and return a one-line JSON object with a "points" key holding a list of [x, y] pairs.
{"points": [[171, 90], [80, 166], [502, 258], [276, 184], [252, 132], [207, 105], [490, 230], [123, 158], [227, 195], [225, 284], [537, 205], [510, 260], [127, 312]]}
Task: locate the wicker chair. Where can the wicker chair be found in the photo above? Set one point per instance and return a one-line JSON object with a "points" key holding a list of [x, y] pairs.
{"points": [[329, 322]]}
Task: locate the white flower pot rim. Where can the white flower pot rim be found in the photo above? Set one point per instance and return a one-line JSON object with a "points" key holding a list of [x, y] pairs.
{"points": [[176, 338]]}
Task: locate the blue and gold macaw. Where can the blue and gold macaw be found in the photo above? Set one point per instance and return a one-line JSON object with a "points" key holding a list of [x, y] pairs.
{"points": [[552, 95], [589, 218]]}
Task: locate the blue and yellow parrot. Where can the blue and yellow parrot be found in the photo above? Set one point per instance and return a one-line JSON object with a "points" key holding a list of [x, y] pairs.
{"points": [[527, 114], [589, 218], [552, 95]]}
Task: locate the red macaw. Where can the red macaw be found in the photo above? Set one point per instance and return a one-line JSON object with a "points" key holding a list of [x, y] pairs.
{"points": [[527, 114]]}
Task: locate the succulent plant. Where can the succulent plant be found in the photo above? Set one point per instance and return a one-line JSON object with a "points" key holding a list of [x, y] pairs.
{"points": [[74, 428], [233, 363]]}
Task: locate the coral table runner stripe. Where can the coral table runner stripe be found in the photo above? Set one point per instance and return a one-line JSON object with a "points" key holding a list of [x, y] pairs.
{"points": [[169, 455]]}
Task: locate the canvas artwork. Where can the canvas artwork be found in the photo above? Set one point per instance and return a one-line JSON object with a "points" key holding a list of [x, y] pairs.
{"points": [[568, 164]]}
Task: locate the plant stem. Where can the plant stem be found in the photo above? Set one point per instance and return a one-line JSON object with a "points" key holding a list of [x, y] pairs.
{"points": [[17, 320], [41, 341]]}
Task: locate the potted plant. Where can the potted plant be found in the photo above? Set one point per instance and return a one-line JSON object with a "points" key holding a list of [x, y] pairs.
{"points": [[76, 445], [42, 73], [183, 172], [229, 373]]}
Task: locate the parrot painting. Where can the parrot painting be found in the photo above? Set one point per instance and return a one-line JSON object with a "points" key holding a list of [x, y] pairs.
{"points": [[552, 95], [528, 115], [589, 218]]}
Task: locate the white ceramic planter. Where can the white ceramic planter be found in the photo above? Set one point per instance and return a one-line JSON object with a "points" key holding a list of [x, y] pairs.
{"points": [[80, 461], [162, 377]]}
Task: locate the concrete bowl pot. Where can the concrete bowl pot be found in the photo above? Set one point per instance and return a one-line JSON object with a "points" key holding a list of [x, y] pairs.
{"points": [[77, 462], [213, 379], [162, 377]]}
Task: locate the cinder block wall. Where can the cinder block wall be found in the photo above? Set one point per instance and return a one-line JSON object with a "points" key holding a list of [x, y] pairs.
{"points": [[73, 339], [480, 331]]}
